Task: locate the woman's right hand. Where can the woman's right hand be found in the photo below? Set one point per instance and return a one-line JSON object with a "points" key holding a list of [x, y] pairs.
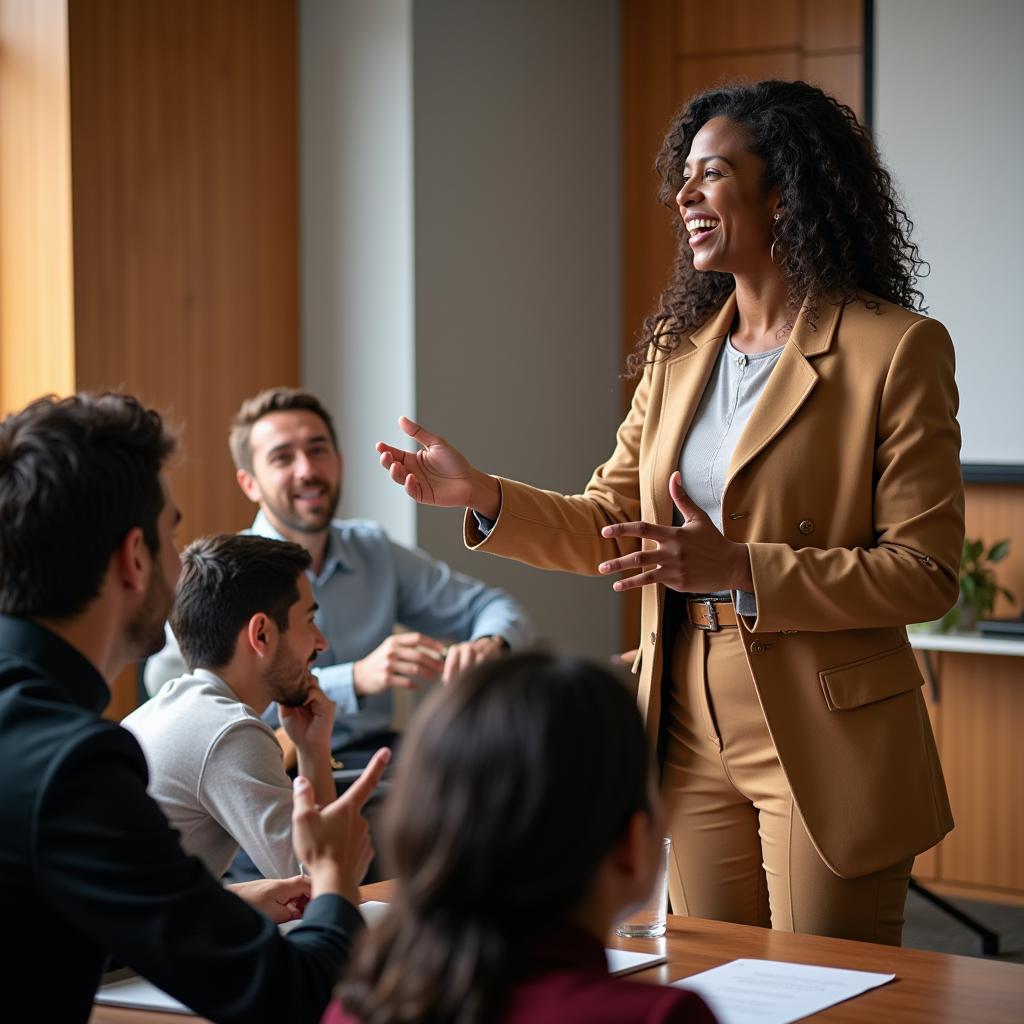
{"points": [[439, 474]]}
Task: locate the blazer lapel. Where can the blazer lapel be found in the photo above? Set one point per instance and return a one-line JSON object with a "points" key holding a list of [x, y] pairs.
{"points": [[788, 387], [686, 376]]}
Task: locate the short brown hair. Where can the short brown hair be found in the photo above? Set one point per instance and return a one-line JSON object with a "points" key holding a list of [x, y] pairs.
{"points": [[263, 404], [225, 580]]}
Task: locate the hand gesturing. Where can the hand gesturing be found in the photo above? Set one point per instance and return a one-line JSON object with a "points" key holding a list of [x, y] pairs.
{"points": [[439, 474], [694, 558]]}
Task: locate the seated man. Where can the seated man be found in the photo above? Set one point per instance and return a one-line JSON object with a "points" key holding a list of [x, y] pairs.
{"points": [[244, 615], [90, 866], [286, 453]]}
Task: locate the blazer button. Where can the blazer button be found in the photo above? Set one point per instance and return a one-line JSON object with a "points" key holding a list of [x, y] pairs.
{"points": [[806, 526], [757, 647], [654, 639]]}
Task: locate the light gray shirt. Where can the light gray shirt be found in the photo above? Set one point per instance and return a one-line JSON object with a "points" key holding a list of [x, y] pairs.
{"points": [[217, 772], [732, 392]]}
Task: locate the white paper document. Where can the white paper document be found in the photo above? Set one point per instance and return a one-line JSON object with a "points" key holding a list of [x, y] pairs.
{"points": [[139, 994], [771, 992], [625, 961]]}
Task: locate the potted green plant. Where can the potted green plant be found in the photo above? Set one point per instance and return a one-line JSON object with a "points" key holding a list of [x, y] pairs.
{"points": [[978, 587]]}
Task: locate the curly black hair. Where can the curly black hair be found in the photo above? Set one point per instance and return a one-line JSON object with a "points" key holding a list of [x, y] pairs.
{"points": [[843, 230]]}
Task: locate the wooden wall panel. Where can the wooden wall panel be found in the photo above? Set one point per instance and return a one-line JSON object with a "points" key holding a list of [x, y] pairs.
{"points": [[694, 74], [983, 758], [841, 74], [36, 324], [736, 25], [648, 91], [184, 144], [832, 24]]}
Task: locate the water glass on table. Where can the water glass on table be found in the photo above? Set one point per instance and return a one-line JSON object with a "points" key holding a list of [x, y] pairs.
{"points": [[649, 921]]}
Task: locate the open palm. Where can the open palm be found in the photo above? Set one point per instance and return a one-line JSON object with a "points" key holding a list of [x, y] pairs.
{"points": [[438, 474]]}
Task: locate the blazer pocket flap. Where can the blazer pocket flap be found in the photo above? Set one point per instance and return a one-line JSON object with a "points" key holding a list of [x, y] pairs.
{"points": [[870, 679]]}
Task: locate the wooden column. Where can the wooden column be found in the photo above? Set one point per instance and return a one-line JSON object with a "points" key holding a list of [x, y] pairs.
{"points": [[149, 217], [36, 322]]}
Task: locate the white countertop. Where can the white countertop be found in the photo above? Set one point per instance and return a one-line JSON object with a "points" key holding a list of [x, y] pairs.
{"points": [[967, 643]]}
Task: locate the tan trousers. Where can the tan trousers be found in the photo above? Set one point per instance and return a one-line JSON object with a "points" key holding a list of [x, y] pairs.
{"points": [[740, 851]]}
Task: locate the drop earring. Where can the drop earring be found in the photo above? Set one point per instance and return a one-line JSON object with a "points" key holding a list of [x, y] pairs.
{"points": [[775, 240]]}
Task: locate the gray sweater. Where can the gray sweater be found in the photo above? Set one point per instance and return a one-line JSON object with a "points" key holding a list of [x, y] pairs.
{"points": [[217, 772]]}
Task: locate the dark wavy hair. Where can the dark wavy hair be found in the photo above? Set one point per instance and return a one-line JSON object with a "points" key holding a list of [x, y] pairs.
{"points": [[842, 230], [516, 783]]}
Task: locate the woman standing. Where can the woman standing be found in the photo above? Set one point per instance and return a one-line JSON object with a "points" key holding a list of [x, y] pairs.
{"points": [[786, 488]]}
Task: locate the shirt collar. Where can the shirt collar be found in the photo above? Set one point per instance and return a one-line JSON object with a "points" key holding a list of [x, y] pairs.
{"points": [[214, 680], [336, 556], [65, 668]]}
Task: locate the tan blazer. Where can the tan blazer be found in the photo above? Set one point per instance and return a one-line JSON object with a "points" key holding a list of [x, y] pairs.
{"points": [[846, 485]]}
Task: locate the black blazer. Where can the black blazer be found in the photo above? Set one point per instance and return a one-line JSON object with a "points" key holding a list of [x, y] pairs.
{"points": [[89, 867]]}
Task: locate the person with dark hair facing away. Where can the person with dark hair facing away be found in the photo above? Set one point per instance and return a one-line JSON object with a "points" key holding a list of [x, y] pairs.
{"points": [[288, 461], [90, 866], [786, 490], [244, 615], [523, 825]]}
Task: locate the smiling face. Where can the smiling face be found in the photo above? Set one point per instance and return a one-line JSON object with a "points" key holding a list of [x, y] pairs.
{"points": [[289, 674], [723, 202], [296, 471]]}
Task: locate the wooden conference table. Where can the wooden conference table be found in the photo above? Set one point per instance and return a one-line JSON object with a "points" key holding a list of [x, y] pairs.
{"points": [[930, 988]]}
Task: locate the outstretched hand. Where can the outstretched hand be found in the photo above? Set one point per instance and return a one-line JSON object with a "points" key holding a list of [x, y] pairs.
{"points": [[693, 558], [439, 474]]}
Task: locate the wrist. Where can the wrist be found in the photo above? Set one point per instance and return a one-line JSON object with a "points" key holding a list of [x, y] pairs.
{"points": [[314, 752], [485, 496], [357, 683], [329, 880]]}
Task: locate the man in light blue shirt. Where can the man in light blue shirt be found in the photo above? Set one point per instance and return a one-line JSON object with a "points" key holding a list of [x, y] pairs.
{"points": [[288, 462]]}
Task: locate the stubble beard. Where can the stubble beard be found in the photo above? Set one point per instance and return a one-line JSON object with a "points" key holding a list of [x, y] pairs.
{"points": [[284, 683], [145, 632], [288, 516]]}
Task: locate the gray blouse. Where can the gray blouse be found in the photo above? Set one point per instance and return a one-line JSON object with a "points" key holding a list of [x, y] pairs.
{"points": [[732, 392]]}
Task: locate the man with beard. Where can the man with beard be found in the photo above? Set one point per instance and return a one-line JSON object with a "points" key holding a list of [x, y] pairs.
{"points": [[285, 449], [244, 618], [90, 866]]}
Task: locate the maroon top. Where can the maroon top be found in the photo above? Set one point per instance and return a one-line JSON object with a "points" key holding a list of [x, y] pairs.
{"points": [[566, 981]]}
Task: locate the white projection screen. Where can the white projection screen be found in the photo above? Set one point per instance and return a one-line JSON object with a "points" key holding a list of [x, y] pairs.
{"points": [[948, 93]]}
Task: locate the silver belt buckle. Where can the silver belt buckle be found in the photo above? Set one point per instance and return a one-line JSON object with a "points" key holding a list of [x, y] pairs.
{"points": [[712, 626]]}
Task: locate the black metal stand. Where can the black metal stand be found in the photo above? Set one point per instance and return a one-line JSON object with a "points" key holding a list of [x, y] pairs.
{"points": [[989, 938]]}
